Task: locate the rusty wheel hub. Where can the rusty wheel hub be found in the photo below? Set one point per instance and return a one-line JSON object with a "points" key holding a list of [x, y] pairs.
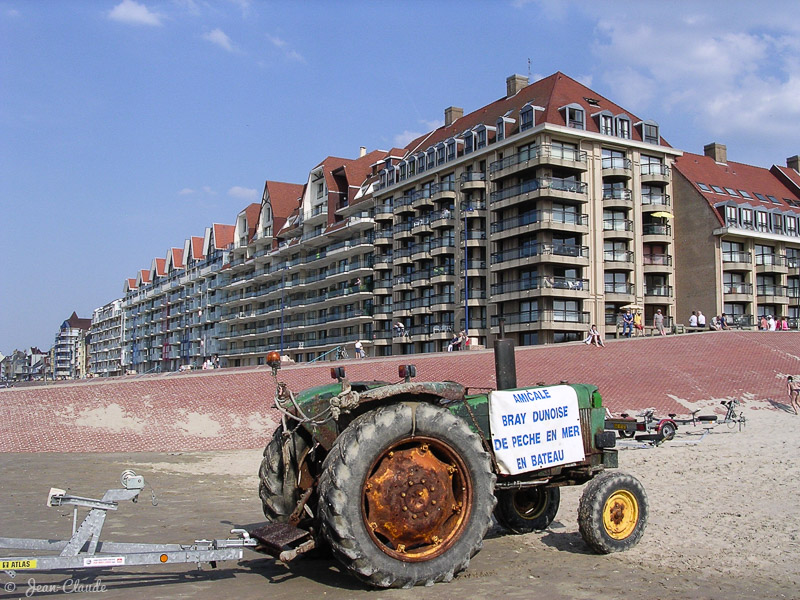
{"points": [[416, 499]]}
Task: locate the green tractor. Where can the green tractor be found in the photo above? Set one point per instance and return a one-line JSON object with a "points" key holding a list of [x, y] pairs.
{"points": [[399, 481]]}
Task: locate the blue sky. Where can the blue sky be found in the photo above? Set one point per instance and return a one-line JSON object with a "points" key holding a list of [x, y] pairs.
{"points": [[129, 125]]}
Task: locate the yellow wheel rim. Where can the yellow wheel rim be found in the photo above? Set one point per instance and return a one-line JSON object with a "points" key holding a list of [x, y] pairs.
{"points": [[620, 514]]}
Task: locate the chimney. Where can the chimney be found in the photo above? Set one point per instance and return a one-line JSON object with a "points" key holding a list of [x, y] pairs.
{"points": [[716, 151], [514, 84], [451, 113], [793, 162], [362, 151]]}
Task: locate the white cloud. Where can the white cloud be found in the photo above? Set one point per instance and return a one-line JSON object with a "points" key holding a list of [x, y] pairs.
{"points": [[207, 189], [734, 77], [133, 13], [220, 38], [243, 193], [288, 52], [186, 192]]}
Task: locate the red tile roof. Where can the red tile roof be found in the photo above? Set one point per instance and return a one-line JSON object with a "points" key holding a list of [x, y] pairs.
{"points": [[788, 176], [223, 235], [75, 322], [197, 247], [551, 93], [252, 213], [697, 168], [177, 258]]}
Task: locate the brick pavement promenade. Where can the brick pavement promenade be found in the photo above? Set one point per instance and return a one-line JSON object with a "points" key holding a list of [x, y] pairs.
{"points": [[232, 408]]}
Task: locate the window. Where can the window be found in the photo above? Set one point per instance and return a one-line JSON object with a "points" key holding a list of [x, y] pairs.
{"points": [[745, 195], [616, 282], [574, 117], [761, 197], [401, 171], [718, 189], [420, 162], [652, 165], [480, 134], [468, 142], [747, 218], [624, 128], [762, 220], [564, 150], [451, 149], [650, 133], [730, 215], [566, 310], [528, 311], [791, 225], [703, 187], [412, 164], [732, 192], [614, 159], [439, 154], [606, 125], [431, 162], [526, 118], [773, 199]]}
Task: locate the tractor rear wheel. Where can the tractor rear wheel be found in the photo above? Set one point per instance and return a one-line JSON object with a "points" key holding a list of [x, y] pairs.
{"points": [[612, 513], [406, 495], [527, 509]]}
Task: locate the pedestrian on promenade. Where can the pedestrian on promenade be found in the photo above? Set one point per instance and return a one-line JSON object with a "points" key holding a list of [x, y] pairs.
{"points": [[658, 322]]}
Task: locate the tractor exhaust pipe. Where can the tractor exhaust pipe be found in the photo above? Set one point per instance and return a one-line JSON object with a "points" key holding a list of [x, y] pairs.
{"points": [[505, 364]]}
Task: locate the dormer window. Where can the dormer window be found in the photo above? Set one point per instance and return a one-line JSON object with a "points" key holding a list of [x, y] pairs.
{"points": [[623, 127], [431, 158], [650, 132], [526, 117], [791, 225], [420, 162], [412, 166], [401, 175], [451, 149], [468, 142], [730, 215], [440, 153], [606, 125], [501, 129], [480, 137], [575, 117]]}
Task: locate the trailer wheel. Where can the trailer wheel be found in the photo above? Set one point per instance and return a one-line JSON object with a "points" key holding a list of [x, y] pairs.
{"points": [[284, 475], [667, 431], [626, 434], [612, 513], [406, 495], [527, 509]]}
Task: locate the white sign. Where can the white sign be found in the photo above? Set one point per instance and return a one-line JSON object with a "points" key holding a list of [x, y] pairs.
{"points": [[535, 428], [104, 561]]}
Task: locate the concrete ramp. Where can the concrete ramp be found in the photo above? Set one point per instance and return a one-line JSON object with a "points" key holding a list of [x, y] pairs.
{"points": [[232, 408]]}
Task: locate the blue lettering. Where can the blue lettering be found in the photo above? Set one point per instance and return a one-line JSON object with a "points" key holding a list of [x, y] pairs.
{"points": [[551, 435], [571, 431], [500, 444], [521, 465]]}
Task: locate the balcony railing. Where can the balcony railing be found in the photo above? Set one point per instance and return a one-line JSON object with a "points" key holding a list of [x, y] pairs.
{"points": [[738, 288], [539, 283], [545, 150], [771, 290], [545, 183], [535, 316], [618, 256], [616, 162], [656, 199], [768, 260], [656, 229], [658, 290], [657, 259], [617, 225], [655, 169], [540, 250], [540, 216], [737, 257]]}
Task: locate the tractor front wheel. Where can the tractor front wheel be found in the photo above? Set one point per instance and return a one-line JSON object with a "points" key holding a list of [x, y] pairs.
{"points": [[527, 509], [406, 495], [612, 513]]}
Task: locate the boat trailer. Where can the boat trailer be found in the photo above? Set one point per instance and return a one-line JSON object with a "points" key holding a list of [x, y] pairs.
{"points": [[85, 550]]}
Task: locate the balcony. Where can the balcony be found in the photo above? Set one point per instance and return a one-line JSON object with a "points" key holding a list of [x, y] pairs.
{"points": [[657, 293], [539, 188], [535, 253], [620, 292], [656, 262], [621, 259], [540, 286], [738, 292], [655, 202], [737, 261], [562, 320], [538, 220], [656, 231], [617, 198], [443, 189], [616, 167], [771, 263], [772, 294], [545, 154], [655, 173], [617, 229], [472, 180], [422, 198]]}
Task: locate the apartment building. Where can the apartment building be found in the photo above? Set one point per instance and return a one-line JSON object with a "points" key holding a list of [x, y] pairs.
{"points": [[105, 340], [172, 310], [70, 359], [304, 287], [738, 236], [549, 208]]}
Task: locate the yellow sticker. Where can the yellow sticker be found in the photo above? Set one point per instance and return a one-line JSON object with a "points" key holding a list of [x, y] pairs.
{"points": [[13, 565]]}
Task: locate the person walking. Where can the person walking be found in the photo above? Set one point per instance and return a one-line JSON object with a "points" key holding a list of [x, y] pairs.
{"points": [[793, 388], [658, 322], [359, 349], [701, 319]]}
